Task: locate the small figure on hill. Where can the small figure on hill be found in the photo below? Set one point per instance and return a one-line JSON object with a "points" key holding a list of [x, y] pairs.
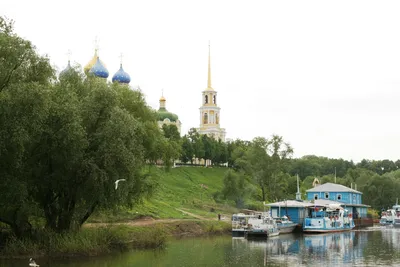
{"points": [[219, 216]]}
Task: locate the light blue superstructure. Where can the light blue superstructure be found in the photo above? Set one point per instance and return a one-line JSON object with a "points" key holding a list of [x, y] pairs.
{"points": [[347, 197], [321, 195]]}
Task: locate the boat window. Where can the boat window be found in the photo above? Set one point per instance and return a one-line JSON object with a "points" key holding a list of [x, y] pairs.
{"points": [[354, 197], [326, 195], [339, 197], [315, 196]]}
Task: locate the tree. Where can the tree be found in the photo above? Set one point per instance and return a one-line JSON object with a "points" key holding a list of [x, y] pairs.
{"points": [[171, 147], [264, 160], [234, 188], [187, 150], [197, 143], [19, 62], [64, 143], [24, 106]]}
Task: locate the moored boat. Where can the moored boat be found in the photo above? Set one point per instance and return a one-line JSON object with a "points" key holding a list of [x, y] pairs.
{"points": [[328, 218], [285, 225], [240, 223], [388, 217], [262, 226]]}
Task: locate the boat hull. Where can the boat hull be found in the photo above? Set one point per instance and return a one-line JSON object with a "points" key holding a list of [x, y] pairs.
{"points": [[286, 229], [323, 231], [262, 232]]}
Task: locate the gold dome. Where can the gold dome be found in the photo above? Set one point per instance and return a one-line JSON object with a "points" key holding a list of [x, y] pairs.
{"points": [[91, 63]]}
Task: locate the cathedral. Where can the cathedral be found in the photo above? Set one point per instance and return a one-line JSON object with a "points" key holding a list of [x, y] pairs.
{"points": [[209, 111]]}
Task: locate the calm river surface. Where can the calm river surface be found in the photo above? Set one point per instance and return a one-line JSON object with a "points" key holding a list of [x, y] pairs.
{"points": [[374, 246]]}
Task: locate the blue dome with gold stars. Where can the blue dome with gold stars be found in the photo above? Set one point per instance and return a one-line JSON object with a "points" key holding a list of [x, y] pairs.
{"points": [[121, 76], [99, 70]]}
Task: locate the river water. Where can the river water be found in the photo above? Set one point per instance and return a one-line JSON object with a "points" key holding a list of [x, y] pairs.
{"points": [[375, 246]]}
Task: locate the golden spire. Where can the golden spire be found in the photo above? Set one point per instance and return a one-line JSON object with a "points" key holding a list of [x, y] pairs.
{"points": [[162, 95], [209, 68]]}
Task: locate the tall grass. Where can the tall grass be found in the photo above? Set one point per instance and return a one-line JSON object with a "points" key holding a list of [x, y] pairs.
{"points": [[87, 242]]}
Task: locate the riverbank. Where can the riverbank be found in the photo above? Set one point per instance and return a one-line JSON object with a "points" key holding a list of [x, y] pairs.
{"points": [[100, 239]]}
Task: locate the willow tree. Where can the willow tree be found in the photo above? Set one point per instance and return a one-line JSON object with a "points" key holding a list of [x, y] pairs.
{"points": [[63, 144]]}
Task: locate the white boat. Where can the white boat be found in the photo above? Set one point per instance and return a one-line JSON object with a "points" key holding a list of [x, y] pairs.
{"points": [[388, 217], [396, 215], [240, 223], [263, 226], [285, 225], [328, 218]]}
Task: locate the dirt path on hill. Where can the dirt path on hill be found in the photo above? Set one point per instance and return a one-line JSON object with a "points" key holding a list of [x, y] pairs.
{"points": [[149, 220]]}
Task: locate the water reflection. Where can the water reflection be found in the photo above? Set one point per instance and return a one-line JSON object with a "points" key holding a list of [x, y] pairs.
{"points": [[367, 247], [333, 248]]}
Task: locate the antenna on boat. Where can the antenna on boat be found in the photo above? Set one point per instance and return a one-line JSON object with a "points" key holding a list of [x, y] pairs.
{"points": [[298, 194], [335, 175]]}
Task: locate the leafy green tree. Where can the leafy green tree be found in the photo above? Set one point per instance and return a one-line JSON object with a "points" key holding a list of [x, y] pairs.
{"points": [[64, 144], [171, 147], [197, 143], [235, 188], [209, 145], [19, 62], [187, 150]]}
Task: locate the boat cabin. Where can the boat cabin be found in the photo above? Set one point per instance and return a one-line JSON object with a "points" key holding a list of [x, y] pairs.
{"points": [[347, 197]]}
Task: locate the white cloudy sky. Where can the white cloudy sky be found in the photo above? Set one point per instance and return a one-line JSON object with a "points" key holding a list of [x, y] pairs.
{"points": [[325, 75]]}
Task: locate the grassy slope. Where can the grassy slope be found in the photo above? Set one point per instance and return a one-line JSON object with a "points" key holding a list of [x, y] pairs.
{"points": [[180, 190]]}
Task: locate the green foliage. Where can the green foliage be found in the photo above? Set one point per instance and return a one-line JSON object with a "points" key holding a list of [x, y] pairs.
{"points": [[264, 160], [63, 144], [87, 242]]}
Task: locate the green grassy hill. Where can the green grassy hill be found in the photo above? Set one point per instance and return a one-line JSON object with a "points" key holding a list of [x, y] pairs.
{"points": [[180, 195]]}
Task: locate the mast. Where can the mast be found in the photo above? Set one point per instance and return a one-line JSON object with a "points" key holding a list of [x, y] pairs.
{"points": [[298, 194], [335, 175]]}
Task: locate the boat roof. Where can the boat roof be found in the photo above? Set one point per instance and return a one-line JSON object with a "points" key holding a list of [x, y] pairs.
{"points": [[306, 203], [290, 204], [331, 187]]}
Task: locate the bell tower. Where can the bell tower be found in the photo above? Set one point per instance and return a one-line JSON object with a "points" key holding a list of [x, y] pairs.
{"points": [[209, 110]]}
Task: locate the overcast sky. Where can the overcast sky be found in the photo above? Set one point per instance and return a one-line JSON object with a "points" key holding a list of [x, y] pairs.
{"points": [[325, 75]]}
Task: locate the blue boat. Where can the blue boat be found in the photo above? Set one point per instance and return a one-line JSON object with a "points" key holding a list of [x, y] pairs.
{"points": [[320, 196], [328, 218], [285, 225]]}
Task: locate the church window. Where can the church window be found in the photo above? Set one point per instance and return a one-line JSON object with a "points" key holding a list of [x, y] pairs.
{"points": [[205, 121], [216, 118], [206, 99], [215, 99]]}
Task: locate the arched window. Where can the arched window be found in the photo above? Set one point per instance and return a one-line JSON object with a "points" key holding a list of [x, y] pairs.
{"points": [[215, 99], [206, 99], [205, 120], [216, 118]]}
